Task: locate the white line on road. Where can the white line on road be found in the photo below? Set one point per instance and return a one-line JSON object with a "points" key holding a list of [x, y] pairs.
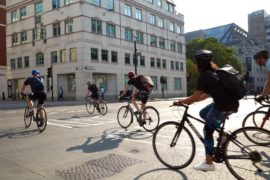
{"points": [[61, 125]]}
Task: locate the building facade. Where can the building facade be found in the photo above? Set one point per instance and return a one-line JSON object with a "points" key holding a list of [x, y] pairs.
{"points": [[3, 58], [93, 40]]}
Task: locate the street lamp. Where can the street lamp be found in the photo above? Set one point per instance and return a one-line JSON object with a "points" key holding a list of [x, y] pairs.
{"points": [[135, 58]]}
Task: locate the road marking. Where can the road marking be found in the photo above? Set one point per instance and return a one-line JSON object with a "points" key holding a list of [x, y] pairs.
{"points": [[59, 125]]}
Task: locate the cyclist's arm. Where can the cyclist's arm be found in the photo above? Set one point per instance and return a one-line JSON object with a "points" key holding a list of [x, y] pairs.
{"points": [[266, 88], [125, 90], [23, 88]]}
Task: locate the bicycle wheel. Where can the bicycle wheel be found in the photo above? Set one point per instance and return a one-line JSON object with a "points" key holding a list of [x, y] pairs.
{"points": [[27, 118], [41, 119], [263, 108], [151, 117], [175, 156], [90, 107], [102, 107], [124, 117], [244, 159]]}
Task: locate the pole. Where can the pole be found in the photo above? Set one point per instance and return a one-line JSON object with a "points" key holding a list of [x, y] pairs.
{"points": [[135, 57], [52, 82]]}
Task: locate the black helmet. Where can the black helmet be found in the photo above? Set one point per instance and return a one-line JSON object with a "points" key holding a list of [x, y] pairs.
{"points": [[204, 56], [261, 53]]}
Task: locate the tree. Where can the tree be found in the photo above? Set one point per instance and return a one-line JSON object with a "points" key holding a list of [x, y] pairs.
{"points": [[192, 76]]}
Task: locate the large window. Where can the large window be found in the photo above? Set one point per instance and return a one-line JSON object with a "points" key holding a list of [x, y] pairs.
{"points": [[12, 64], [96, 26], [63, 56], [14, 39], [155, 81], [142, 60], [152, 19], [114, 56], [38, 8], [23, 36], [14, 17], [39, 59], [160, 22], [178, 29], [104, 55], [127, 10], [172, 65], [128, 34], [176, 65], [162, 43], [159, 3], [56, 29], [54, 57], [110, 30], [73, 55], [22, 12], [66, 2], [170, 7], [138, 14], [139, 37], [19, 63], [153, 40], [152, 62], [164, 63], [109, 4], [95, 2], [26, 62], [177, 84], [71, 83], [158, 63], [68, 26], [150, 1], [172, 46], [127, 58], [171, 26], [179, 48], [94, 54], [55, 4]]}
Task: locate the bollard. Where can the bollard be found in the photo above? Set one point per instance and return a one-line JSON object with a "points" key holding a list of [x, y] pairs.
{"points": [[3, 96]]}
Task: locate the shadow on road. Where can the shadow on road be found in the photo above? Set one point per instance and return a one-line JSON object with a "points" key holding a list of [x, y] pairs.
{"points": [[161, 173], [18, 133]]}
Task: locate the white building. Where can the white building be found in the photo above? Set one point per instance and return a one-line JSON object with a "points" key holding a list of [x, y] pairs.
{"points": [[93, 40]]}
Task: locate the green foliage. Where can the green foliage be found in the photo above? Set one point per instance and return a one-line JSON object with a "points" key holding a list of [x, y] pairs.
{"points": [[193, 76]]}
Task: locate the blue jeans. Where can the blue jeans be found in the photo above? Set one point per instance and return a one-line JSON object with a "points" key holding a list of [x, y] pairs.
{"points": [[213, 119]]}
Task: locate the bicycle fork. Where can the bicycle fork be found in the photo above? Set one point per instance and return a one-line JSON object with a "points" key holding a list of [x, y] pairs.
{"points": [[176, 136]]}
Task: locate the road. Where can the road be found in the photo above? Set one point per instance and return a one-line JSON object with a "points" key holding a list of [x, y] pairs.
{"points": [[77, 145]]}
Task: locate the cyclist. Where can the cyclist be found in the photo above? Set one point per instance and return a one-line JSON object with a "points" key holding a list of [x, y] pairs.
{"points": [[38, 91], [138, 90], [215, 113], [261, 59], [92, 88]]}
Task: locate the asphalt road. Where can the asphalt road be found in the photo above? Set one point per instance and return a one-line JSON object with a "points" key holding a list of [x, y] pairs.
{"points": [[77, 145]]}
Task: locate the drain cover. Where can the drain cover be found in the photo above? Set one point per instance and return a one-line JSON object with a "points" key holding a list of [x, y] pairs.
{"points": [[98, 168]]}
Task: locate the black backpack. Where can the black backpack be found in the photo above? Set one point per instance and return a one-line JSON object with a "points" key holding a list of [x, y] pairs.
{"points": [[232, 85]]}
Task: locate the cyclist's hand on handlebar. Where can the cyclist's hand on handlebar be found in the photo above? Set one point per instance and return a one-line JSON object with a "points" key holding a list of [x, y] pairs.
{"points": [[177, 103], [260, 99]]}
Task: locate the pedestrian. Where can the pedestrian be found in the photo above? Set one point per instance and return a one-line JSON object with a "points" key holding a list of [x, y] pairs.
{"points": [[102, 92], [60, 94]]}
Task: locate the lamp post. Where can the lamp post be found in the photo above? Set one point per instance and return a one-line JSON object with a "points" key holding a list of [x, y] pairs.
{"points": [[135, 58]]}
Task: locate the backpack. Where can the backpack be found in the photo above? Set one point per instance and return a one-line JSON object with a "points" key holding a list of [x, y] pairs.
{"points": [[146, 82], [230, 82]]}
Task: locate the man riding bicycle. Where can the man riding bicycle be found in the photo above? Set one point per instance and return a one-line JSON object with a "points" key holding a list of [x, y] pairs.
{"points": [[140, 89], [93, 90], [261, 59], [38, 91]]}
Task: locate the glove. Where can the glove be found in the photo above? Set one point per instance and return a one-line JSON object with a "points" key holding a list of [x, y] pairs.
{"points": [[260, 99]]}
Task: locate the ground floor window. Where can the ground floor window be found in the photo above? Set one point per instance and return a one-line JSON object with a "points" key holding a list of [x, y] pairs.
{"points": [[177, 84], [71, 83]]}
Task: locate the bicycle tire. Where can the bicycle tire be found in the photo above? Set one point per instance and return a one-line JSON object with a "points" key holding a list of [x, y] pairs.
{"points": [[41, 121], [248, 155], [27, 119], [102, 107], [126, 112], [90, 108], [150, 113], [179, 152]]}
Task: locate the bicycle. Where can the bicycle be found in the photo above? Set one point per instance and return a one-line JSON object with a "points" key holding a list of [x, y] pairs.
{"points": [[40, 117], [98, 104], [149, 115], [173, 142]]}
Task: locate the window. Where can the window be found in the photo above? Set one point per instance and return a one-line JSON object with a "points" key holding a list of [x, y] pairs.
{"points": [[23, 36], [152, 19], [248, 63], [177, 84], [159, 3], [55, 4], [39, 59], [127, 58], [171, 26], [95, 2], [14, 39], [12, 64], [109, 4], [142, 60], [114, 57], [160, 22], [154, 79], [22, 12], [54, 57], [179, 48], [96, 26], [153, 40], [150, 1], [26, 62], [127, 10], [43, 33], [170, 7], [38, 19], [138, 14], [66, 2], [94, 54], [38, 8], [158, 63], [165, 86], [110, 30], [181, 66], [104, 55], [56, 29], [19, 63], [178, 29], [73, 55], [172, 45], [63, 56], [162, 43], [164, 63], [36, 33], [14, 16], [128, 34], [152, 62], [176, 65], [68, 26], [172, 65], [139, 37], [71, 83]]}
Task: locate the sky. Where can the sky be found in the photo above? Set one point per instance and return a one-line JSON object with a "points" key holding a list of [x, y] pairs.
{"points": [[204, 14]]}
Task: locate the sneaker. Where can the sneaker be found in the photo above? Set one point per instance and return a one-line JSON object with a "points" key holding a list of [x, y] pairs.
{"points": [[204, 167], [141, 122], [40, 122]]}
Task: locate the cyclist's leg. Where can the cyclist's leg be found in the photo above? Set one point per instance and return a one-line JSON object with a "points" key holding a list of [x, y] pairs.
{"points": [[29, 100], [41, 98], [133, 99], [144, 100]]}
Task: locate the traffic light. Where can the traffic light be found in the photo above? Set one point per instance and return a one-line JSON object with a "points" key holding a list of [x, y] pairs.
{"points": [[49, 72]]}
